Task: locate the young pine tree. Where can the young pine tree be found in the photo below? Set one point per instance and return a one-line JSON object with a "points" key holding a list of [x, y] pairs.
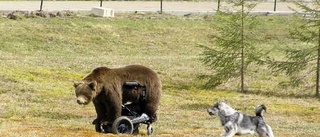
{"points": [[302, 62], [232, 49]]}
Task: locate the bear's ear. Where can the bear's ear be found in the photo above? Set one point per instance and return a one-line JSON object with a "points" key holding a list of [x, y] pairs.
{"points": [[76, 84], [92, 85]]}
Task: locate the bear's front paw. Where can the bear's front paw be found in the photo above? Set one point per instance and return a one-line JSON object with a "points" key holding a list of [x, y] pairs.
{"points": [[106, 127], [98, 128], [95, 121]]}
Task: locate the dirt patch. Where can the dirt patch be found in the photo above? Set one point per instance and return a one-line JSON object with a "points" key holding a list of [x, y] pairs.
{"points": [[34, 14]]}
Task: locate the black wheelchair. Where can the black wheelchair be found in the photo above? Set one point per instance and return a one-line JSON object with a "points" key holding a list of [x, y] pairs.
{"points": [[132, 116]]}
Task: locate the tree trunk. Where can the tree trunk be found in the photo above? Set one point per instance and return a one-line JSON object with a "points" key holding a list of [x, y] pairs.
{"points": [[242, 48], [318, 66]]}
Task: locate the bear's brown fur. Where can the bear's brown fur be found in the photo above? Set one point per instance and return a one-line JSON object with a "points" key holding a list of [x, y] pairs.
{"points": [[104, 87]]}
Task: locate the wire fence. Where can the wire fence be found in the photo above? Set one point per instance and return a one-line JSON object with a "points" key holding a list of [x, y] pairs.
{"points": [[151, 6], [218, 3]]}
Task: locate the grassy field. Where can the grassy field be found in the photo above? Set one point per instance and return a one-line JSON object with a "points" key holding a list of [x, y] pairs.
{"points": [[41, 57]]}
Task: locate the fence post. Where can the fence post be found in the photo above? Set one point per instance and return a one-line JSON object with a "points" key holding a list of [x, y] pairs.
{"points": [[41, 5], [218, 5], [275, 5], [160, 6]]}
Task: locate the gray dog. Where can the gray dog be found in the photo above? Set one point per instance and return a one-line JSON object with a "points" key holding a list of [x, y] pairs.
{"points": [[236, 123]]}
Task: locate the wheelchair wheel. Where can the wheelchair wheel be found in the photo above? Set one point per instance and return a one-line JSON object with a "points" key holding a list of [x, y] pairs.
{"points": [[150, 130], [122, 125]]}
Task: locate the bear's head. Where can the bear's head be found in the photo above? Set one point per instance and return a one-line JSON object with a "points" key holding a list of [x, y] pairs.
{"points": [[85, 91]]}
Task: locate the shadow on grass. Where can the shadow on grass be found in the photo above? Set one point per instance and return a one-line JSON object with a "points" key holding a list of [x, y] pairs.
{"points": [[267, 93], [251, 91], [280, 94], [261, 92]]}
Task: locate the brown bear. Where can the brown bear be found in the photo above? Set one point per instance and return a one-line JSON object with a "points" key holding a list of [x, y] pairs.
{"points": [[104, 87]]}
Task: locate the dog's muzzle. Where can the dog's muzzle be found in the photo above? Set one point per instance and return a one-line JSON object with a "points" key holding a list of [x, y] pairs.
{"points": [[212, 111]]}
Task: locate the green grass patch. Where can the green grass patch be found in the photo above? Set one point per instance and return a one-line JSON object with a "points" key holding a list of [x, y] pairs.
{"points": [[41, 57]]}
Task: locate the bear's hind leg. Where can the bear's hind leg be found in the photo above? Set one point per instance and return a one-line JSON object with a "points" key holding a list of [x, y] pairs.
{"points": [[150, 108], [151, 112]]}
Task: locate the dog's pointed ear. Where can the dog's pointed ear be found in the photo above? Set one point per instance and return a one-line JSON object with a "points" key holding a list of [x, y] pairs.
{"points": [[219, 102], [264, 107], [222, 101]]}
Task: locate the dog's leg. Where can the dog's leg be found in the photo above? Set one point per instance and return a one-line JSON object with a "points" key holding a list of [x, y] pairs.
{"points": [[223, 134], [265, 131], [226, 131], [231, 130], [269, 131]]}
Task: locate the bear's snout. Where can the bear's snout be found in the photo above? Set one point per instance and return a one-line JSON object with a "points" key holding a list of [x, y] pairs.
{"points": [[82, 101]]}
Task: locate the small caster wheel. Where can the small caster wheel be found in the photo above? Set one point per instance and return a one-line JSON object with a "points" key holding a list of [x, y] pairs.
{"points": [[122, 125], [150, 130]]}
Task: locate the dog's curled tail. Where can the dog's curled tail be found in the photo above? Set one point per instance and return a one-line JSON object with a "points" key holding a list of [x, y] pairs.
{"points": [[260, 109]]}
